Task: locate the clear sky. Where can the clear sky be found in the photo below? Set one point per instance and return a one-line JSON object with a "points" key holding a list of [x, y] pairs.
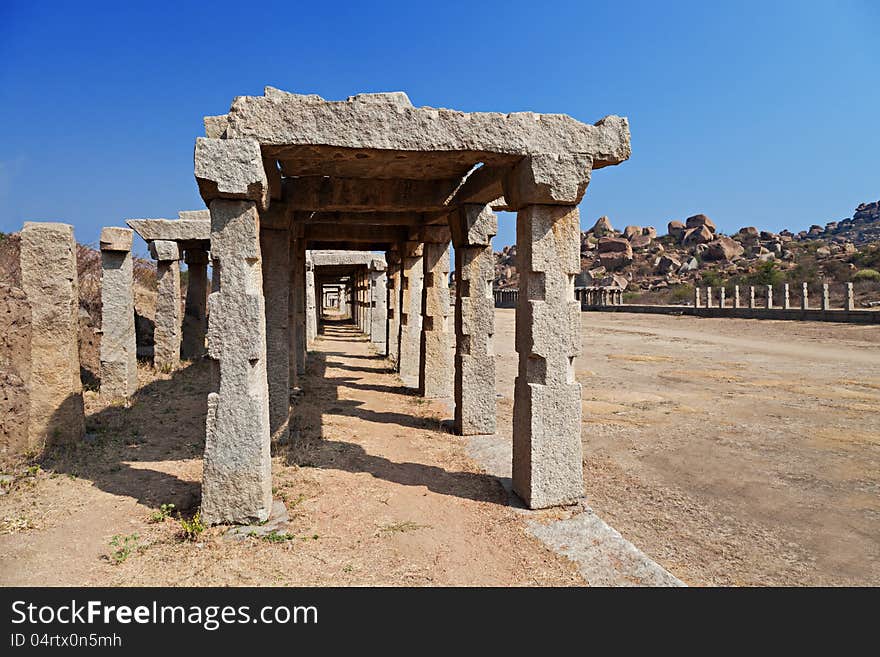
{"points": [[755, 113]]}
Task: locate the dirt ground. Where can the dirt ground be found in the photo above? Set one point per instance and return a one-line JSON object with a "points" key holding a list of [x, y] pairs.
{"points": [[733, 452], [387, 497]]}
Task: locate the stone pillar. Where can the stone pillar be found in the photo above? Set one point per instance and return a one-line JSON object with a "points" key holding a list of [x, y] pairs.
{"points": [[299, 305], [436, 371], [474, 383], [195, 315], [166, 336], [275, 254], [769, 296], [411, 315], [49, 279], [826, 297], [722, 300], [786, 303], [547, 448], [850, 297], [393, 284], [311, 304], [118, 342], [708, 297], [697, 303], [805, 297], [292, 329], [736, 302], [379, 306], [237, 479], [751, 296]]}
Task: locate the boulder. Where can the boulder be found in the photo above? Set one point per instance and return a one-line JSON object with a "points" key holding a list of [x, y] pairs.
{"points": [[699, 220], [614, 245], [723, 248], [602, 227], [631, 231], [640, 242], [767, 235], [675, 229], [749, 231], [615, 260], [649, 231], [823, 252], [697, 235], [667, 263], [689, 265]]}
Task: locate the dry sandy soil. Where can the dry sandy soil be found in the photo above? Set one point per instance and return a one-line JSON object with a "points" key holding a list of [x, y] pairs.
{"points": [[731, 451]]}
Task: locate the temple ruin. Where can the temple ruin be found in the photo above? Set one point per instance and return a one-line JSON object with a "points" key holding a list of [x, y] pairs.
{"points": [[351, 209]]}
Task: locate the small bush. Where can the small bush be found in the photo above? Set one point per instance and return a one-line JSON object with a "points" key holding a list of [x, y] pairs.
{"points": [[682, 293], [162, 514], [124, 545], [191, 529], [867, 275]]}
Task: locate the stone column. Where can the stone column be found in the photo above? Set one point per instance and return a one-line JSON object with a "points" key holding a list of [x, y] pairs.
{"points": [[393, 282], [411, 315], [49, 279], [751, 296], [805, 298], [311, 304], [736, 302], [379, 306], [275, 254], [436, 359], [292, 329], [708, 297], [697, 303], [786, 303], [850, 297], [237, 479], [826, 297], [298, 285], [474, 385], [166, 336], [722, 300], [195, 315], [118, 342], [769, 296]]}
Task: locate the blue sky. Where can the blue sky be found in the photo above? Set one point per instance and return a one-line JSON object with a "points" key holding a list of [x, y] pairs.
{"points": [[755, 113]]}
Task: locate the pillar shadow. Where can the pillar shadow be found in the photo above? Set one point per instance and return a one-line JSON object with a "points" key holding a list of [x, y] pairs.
{"points": [[321, 399], [124, 445]]}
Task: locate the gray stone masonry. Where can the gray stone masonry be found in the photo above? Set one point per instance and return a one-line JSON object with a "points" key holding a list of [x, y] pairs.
{"points": [[474, 381], [436, 372], [237, 479], [195, 310], [547, 448], [49, 279], [411, 315], [379, 309], [275, 253], [118, 341], [166, 352]]}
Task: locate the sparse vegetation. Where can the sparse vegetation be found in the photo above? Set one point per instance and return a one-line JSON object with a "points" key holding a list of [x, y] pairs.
{"points": [[191, 529], [124, 546], [162, 514], [867, 275]]}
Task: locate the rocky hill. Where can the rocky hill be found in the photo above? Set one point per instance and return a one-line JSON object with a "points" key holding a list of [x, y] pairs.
{"points": [[661, 269]]}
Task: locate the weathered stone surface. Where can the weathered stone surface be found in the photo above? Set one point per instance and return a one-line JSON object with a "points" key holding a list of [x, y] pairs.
{"points": [[237, 479], [118, 340], [283, 119], [275, 254], [602, 227], [164, 250], [311, 303], [615, 260], [631, 231], [15, 369], [649, 231], [547, 449], [195, 215], [547, 180], [699, 235], [172, 229], [49, 279], [394, 299], [474, 382], [411, 314], [675, 229], [195, 312], [436, 357], [700, 220], [614, 245], [666, 264], [115, 239], [379, 301], [723, 248], [640, 241], [167, 336], [298, 284], [232, 169], [473, 225]]}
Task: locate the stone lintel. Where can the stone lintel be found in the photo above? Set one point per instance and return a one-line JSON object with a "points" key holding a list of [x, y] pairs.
{"points": [[116, 239], [335, 194], [435, 234], [164, 250], [172, 229], [353, 233]]}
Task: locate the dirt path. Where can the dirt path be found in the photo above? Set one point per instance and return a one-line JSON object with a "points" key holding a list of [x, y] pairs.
{"points": [[378, 492], [731, 451]]}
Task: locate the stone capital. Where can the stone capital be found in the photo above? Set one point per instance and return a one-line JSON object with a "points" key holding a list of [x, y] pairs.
{"points": [[548, 179], [164, 250], [231, 169], [116, 239], [473, 225]]}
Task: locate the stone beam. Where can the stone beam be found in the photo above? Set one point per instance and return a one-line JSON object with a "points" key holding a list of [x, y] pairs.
{"points": [[367, 218], [481, 187], [334, 194], [171, 229], [353, 233]]}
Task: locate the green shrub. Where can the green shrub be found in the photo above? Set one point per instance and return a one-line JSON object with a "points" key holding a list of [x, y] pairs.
{"points": [[867, 275]]}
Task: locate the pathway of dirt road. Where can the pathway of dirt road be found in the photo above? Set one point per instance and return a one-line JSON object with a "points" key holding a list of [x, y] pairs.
{"points": [[378, 491]]}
